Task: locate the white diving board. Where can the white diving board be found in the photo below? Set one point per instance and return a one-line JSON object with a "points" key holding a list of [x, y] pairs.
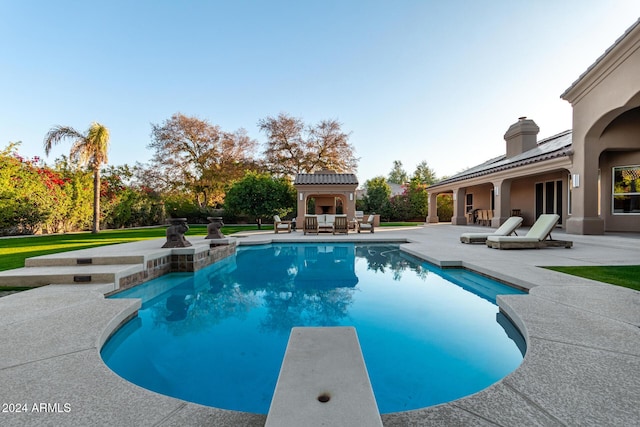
{"points": [[323, 381]]}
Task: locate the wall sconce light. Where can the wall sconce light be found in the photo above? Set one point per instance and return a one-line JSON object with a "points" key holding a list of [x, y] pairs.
{"points": [[301, 197], [351, 196], [454, 196], [575, 180], [496, 191]]}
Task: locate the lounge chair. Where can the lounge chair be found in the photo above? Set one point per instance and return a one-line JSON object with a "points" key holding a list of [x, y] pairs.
{"points": [[279, 225], [311, 224], [539, 236], [341, 224], [368, 225], [505, 229]]}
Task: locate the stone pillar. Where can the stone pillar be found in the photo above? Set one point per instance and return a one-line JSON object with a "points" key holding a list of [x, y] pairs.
{"points": [[502, 202], [459, 215], [302, 207], [432, 216], [350, 205], [584, 198]]}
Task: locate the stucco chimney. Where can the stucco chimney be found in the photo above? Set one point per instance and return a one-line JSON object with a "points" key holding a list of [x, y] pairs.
{"points": [[521, 136]]}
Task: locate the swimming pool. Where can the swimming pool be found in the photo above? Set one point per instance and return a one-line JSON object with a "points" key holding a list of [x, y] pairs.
{"points": [[217, 337]]}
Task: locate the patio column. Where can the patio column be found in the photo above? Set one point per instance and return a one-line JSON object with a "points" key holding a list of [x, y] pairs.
{"points": [[459, 215], [502, 202], [350, 204], [585, 218], [432, 215], [302, 208]]}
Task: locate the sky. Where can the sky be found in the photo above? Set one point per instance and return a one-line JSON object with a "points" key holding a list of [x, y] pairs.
{"points": [[410, 80]]}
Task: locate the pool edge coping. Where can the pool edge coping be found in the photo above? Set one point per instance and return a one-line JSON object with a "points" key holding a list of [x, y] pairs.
{"points": [[467, 408]]}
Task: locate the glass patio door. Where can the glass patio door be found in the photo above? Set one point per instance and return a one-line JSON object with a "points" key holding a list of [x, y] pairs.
{"points": [[549, 198]]}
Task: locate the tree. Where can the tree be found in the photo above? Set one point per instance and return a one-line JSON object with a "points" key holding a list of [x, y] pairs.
{"points": [[329, 148], [285, 151], [88, 149], [424, 174], [378, 192], [416, 193], [398, 175], [23, 196], [445, 207], [195, 156], [292, 147], [261, 196]]}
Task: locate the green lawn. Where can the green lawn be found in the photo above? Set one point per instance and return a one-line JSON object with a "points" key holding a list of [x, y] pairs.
{"points": [[13, 251], [622, 275]]}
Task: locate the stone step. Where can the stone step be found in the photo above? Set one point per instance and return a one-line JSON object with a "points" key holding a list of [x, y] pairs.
{"points": [[120, 275], [323, 381], [57, 260]]}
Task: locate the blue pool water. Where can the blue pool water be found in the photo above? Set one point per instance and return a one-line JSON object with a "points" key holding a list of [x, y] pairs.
{"points": [[218, 337]]}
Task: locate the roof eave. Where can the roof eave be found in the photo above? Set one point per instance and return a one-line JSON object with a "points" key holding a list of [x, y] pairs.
{"points": [[604, 62]]}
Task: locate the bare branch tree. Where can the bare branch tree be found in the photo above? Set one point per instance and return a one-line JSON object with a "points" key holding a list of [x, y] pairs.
{"points": [[285, 151], [293, 148], [198, 157], [329, 148]]}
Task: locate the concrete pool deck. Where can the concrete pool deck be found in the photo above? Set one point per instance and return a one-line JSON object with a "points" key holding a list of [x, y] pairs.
{"points": [[582, 365]]}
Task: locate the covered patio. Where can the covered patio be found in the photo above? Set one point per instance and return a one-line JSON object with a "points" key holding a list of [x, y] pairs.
{"points": [[325, 192]]}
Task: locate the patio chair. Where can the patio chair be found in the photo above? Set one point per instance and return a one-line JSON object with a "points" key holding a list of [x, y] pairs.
{"points": [[279, 225], [368, 225], [539, 236], [341, 224], [482, 217], [311, 224], [505, 229]]}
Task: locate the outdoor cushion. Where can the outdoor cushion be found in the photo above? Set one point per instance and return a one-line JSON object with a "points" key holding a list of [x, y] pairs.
{"points": [[367, 225], [539, 236], [505, 229], [279, 225]]}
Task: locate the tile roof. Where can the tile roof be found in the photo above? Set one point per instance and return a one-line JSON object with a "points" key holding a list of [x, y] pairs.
{"points": [[325, 178], [550, 148]]}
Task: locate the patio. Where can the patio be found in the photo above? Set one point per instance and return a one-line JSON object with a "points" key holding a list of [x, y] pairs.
{"points": [[582, 365]]}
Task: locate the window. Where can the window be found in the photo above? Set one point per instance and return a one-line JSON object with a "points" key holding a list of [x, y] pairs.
{"points": [[626, 190], [469, 203]]}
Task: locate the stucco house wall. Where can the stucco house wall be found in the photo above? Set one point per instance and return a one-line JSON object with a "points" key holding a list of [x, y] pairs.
{"points": [[601, 97], [605, 134]]}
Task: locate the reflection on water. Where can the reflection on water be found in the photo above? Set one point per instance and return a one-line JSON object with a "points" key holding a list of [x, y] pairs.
{"points": [[218, 336], [298, 285]]}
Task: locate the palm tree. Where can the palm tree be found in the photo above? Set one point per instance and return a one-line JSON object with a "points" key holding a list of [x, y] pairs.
{"points": [[89, 149]]}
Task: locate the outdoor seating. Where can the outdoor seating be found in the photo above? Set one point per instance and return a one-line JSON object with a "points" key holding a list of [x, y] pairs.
{"points": [[310, 224], [539, 236], [341, 224], [505, 229], [325, 222], [368, 225], [279, 225], [484, 216]]}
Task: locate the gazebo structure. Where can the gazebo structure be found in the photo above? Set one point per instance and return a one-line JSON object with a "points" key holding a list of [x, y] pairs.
{"points": [[325, 192]]}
